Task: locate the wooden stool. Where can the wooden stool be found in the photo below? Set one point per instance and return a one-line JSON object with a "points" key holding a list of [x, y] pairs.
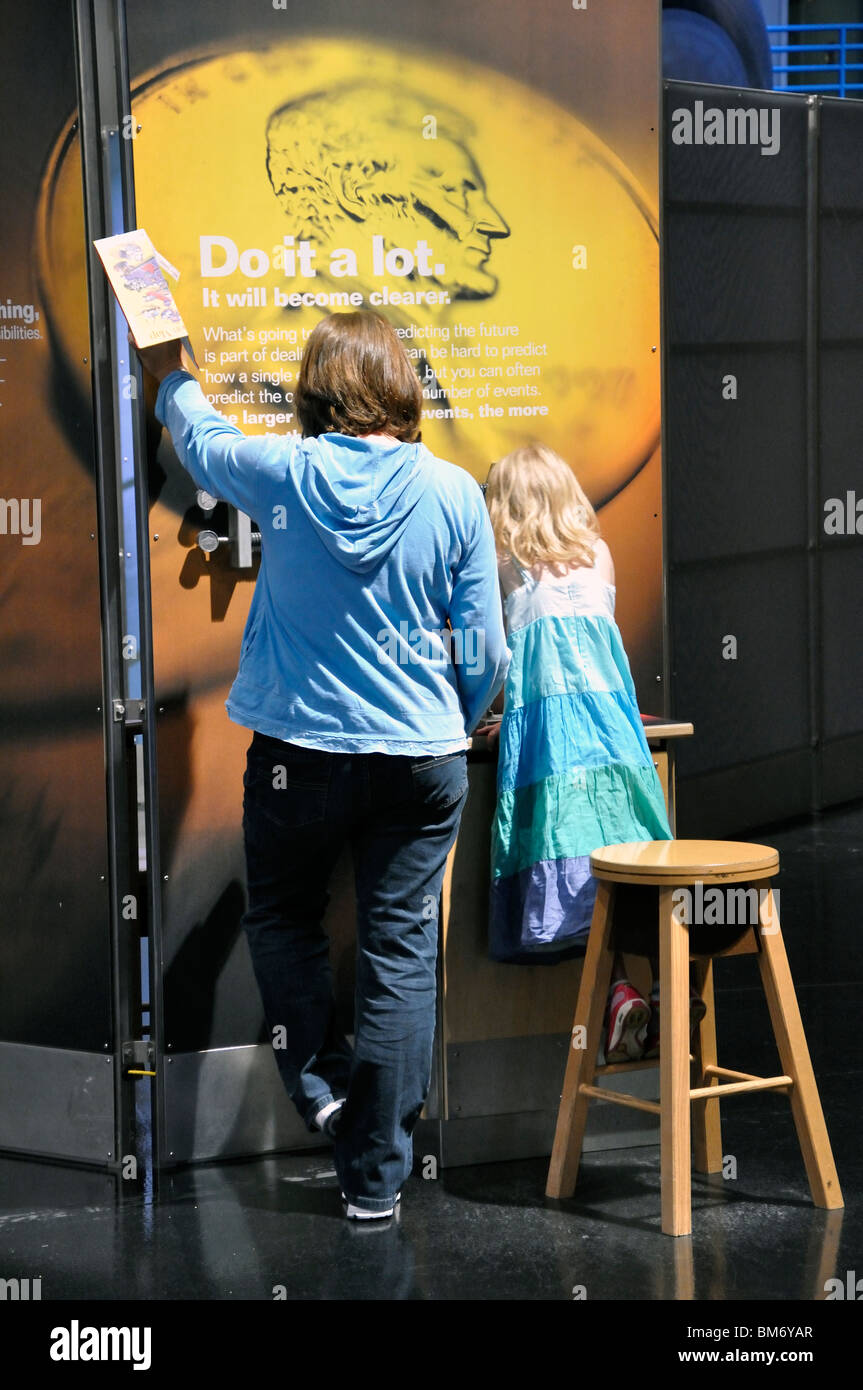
{"points": [[671, 865]]}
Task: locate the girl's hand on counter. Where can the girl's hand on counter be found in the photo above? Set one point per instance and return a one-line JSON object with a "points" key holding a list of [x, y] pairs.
{"points": [[491, 732]]}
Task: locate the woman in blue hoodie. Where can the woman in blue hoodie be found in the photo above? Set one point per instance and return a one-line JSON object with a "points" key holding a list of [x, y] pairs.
{"points": [[374, 644]]}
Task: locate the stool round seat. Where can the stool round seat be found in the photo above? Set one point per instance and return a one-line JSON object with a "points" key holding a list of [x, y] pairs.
{"points": [[665, 863]]}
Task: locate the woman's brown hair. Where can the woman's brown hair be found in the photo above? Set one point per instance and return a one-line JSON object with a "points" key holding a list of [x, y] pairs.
{"points": [[356, 378]]}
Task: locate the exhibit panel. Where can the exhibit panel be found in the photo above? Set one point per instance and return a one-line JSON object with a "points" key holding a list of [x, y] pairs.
{"points": [[293, 163], [498, 186], [57, 1025], [839, 496], [761, 423], [738, 455]]}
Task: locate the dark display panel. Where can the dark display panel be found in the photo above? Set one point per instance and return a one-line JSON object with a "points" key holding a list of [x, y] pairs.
{"points": [[736, 273], [55, 962]]}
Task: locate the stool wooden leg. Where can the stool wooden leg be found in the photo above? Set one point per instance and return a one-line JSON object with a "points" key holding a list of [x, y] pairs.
{"points": [[794, 1055], [822, 1255], [706, 1127], [674, 1069], [684, 1272], [581, 1064]]}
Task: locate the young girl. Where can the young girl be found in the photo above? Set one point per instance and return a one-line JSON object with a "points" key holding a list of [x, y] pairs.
{"points": [[574, 769]]}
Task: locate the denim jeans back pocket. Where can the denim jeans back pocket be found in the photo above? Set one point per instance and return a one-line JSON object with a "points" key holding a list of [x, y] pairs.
{"points": [[439, 782], [287, 783]]}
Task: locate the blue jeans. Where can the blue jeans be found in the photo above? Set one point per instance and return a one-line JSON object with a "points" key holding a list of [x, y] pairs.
{"points": [[400, 816]]}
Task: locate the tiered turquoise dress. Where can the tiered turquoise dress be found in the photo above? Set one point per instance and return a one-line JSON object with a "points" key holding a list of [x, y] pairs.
{"points": [[574, 769]]}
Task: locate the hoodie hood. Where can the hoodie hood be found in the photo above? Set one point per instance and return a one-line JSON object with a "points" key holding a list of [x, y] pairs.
{"points": [[359, 494]]}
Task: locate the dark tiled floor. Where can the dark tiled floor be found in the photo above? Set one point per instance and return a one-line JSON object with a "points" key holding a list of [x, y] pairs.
{"points": [[237, 1231]]}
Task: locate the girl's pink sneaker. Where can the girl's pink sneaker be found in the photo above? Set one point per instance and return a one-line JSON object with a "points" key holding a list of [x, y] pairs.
{"points": [[697, 1010], [626, 1023]]}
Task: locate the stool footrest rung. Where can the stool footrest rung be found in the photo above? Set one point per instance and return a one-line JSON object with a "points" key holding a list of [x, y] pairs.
{"points": [[620, 1098], [731, 1088], [733, 1075], [652, 1107]]}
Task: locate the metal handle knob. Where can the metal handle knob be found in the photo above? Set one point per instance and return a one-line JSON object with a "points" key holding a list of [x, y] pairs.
{"points": [[206, 501], [209, 541]]}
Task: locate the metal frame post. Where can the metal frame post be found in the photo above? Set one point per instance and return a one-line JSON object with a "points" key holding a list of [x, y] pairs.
{"points": [[813, 460], [119, 425]]}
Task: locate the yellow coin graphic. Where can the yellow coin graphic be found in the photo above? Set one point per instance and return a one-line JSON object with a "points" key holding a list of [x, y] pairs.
{"points": [[507, 243]]}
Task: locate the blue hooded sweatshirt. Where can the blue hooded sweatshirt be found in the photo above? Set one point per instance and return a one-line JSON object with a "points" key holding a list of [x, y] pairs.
{"points": [[376, 621]]}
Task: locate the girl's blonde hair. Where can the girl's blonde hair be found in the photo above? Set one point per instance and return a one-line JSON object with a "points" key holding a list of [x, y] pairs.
{"points": [[538, 509]]}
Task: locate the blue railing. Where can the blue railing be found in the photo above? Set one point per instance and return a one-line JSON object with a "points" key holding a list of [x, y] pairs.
{"points": [[838, 69]]}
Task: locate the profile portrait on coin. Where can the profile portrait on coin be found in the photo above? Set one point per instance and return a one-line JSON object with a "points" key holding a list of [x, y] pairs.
{"points": [[395, 160]]}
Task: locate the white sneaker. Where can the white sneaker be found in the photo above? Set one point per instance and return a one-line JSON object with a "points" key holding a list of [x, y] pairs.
{"points": [[328, 1117], [361, 1214]]}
